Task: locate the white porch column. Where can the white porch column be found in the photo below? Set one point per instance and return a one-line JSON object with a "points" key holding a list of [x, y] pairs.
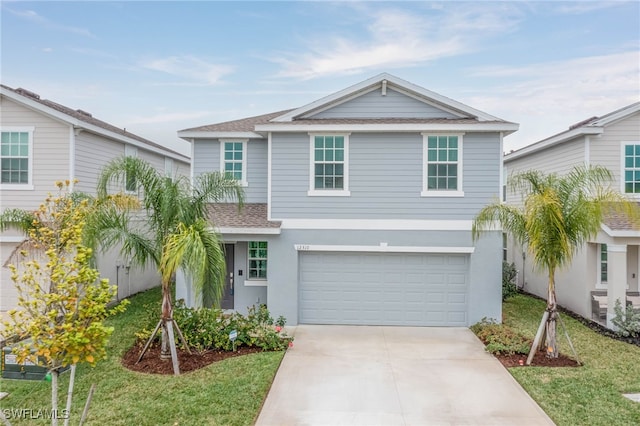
{"points": [[617, 278]]}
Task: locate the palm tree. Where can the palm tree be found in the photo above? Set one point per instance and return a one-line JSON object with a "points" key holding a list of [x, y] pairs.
{"points": [[174, 217], [559, 214]]}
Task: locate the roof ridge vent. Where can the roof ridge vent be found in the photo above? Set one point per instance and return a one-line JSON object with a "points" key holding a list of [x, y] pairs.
{"points": [[28, 93], [583, 122], [83, 112]]}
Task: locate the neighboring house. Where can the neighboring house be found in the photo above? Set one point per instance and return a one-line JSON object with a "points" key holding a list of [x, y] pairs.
{"points": [[359, 208], [609, 264], [43, 142]]}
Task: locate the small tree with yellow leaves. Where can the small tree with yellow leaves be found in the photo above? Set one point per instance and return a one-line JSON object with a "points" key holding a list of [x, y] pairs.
{"points": [[62, 302]]}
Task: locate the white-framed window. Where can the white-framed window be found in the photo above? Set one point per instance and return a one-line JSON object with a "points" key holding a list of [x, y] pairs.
{"points": [[16, 158], [168, 167], [233, 159], [631, 166], [602, 265], [257, 258], [442, 165], [130, 181], [329, 166]]}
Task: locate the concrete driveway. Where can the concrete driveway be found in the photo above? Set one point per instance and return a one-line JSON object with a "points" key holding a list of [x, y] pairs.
{"points": [[361, 375]]}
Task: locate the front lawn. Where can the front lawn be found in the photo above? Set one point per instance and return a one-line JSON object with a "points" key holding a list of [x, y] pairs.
{"points": [[229, 392], [588, 395]]}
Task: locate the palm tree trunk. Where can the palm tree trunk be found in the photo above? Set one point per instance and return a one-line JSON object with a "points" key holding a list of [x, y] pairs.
{"points": [[552, 308], [167, 313]]}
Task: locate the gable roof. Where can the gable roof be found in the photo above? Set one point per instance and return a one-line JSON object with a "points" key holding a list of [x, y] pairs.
{"points": [[384, 81], [302, 119], [83, 120], [590, 126]]}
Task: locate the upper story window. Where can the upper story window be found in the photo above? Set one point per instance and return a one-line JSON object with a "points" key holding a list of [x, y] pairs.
{"points": [[329, 174], [16, 158], [131, 185], [442, 168], [234, 160], [632, 168]]}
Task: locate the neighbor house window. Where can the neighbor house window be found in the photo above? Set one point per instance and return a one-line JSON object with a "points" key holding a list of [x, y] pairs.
{"points": [[604, 268], [15, 158], [234, 160], [442, 165], [131, 185], [257, 260], [168, 167], [632, 168], [329, 165], [504, 246]]}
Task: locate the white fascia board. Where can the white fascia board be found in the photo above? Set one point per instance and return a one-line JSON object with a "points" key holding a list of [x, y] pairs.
{"points": [[377, 224], [554, 140], [383, 249], [395, 81], [79, 124], [195, 134], [65, 118], [617, 115], [12, 239], [244, 231], [507, 128], [619, 233]]}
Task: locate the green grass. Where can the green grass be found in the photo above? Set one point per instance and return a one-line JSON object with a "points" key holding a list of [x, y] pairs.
{"points": [[229, 392], [588, 395]]}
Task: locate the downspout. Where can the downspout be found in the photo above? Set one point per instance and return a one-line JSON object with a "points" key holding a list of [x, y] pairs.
{"points": [[73, 132]]}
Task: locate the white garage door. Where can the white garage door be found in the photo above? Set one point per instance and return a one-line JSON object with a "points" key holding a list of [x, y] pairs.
{"points": [[383, 288]]}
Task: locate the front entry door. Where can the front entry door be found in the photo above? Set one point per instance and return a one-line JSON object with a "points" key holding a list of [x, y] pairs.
{"points": [[227, 296]]}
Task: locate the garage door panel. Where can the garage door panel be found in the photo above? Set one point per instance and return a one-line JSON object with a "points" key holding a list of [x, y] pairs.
{"points": [[383, 288]]}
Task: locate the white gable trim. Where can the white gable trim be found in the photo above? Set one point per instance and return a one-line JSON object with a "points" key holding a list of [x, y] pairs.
{"points": [[383, 248], [390, 127], [617, 115], [364, 86], [79, 124], [196, 134], [553, 140], [619, 233]]}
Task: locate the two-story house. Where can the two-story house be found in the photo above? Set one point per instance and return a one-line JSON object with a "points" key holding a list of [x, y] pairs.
{"points": [[360, 207], [43, 142], [609, 264]]}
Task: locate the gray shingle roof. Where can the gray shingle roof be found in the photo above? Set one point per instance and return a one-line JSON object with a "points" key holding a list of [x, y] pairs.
{"points": [[86, 117], [243, 125], [617, 221], [252, 215]]}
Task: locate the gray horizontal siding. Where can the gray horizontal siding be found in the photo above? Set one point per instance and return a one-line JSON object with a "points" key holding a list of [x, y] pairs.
{"points": [[385, 173], [50, 154], [207, 159], [92, 154], [374, 105], [558, 159]]}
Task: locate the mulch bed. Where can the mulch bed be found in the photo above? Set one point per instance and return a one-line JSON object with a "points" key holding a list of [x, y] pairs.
{"points": [[540, 359], [151, 362]]}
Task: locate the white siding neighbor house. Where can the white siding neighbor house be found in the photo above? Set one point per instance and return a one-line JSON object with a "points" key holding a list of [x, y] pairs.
{"points": [[359, 208], [606, 269], [43, 142]]}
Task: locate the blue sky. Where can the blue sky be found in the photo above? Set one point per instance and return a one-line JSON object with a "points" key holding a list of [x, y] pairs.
{"points": [[159, 67]]}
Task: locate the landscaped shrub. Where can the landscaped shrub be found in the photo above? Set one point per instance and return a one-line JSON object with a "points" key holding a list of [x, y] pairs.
{"points": [[205, 328], [509, 273], [500, 339], [627, 321]]}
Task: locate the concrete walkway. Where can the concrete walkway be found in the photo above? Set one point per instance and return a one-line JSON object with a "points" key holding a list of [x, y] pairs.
{"points": [[350, 375]]}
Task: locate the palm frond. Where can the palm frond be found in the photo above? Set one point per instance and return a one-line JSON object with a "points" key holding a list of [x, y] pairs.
{"points": [[18, 219]]}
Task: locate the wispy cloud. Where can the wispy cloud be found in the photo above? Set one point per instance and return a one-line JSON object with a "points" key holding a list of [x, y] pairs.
{"points": [[38, 19], [190, 68], [548, 97], [580, 7], [397, 38], [169, 117]]}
